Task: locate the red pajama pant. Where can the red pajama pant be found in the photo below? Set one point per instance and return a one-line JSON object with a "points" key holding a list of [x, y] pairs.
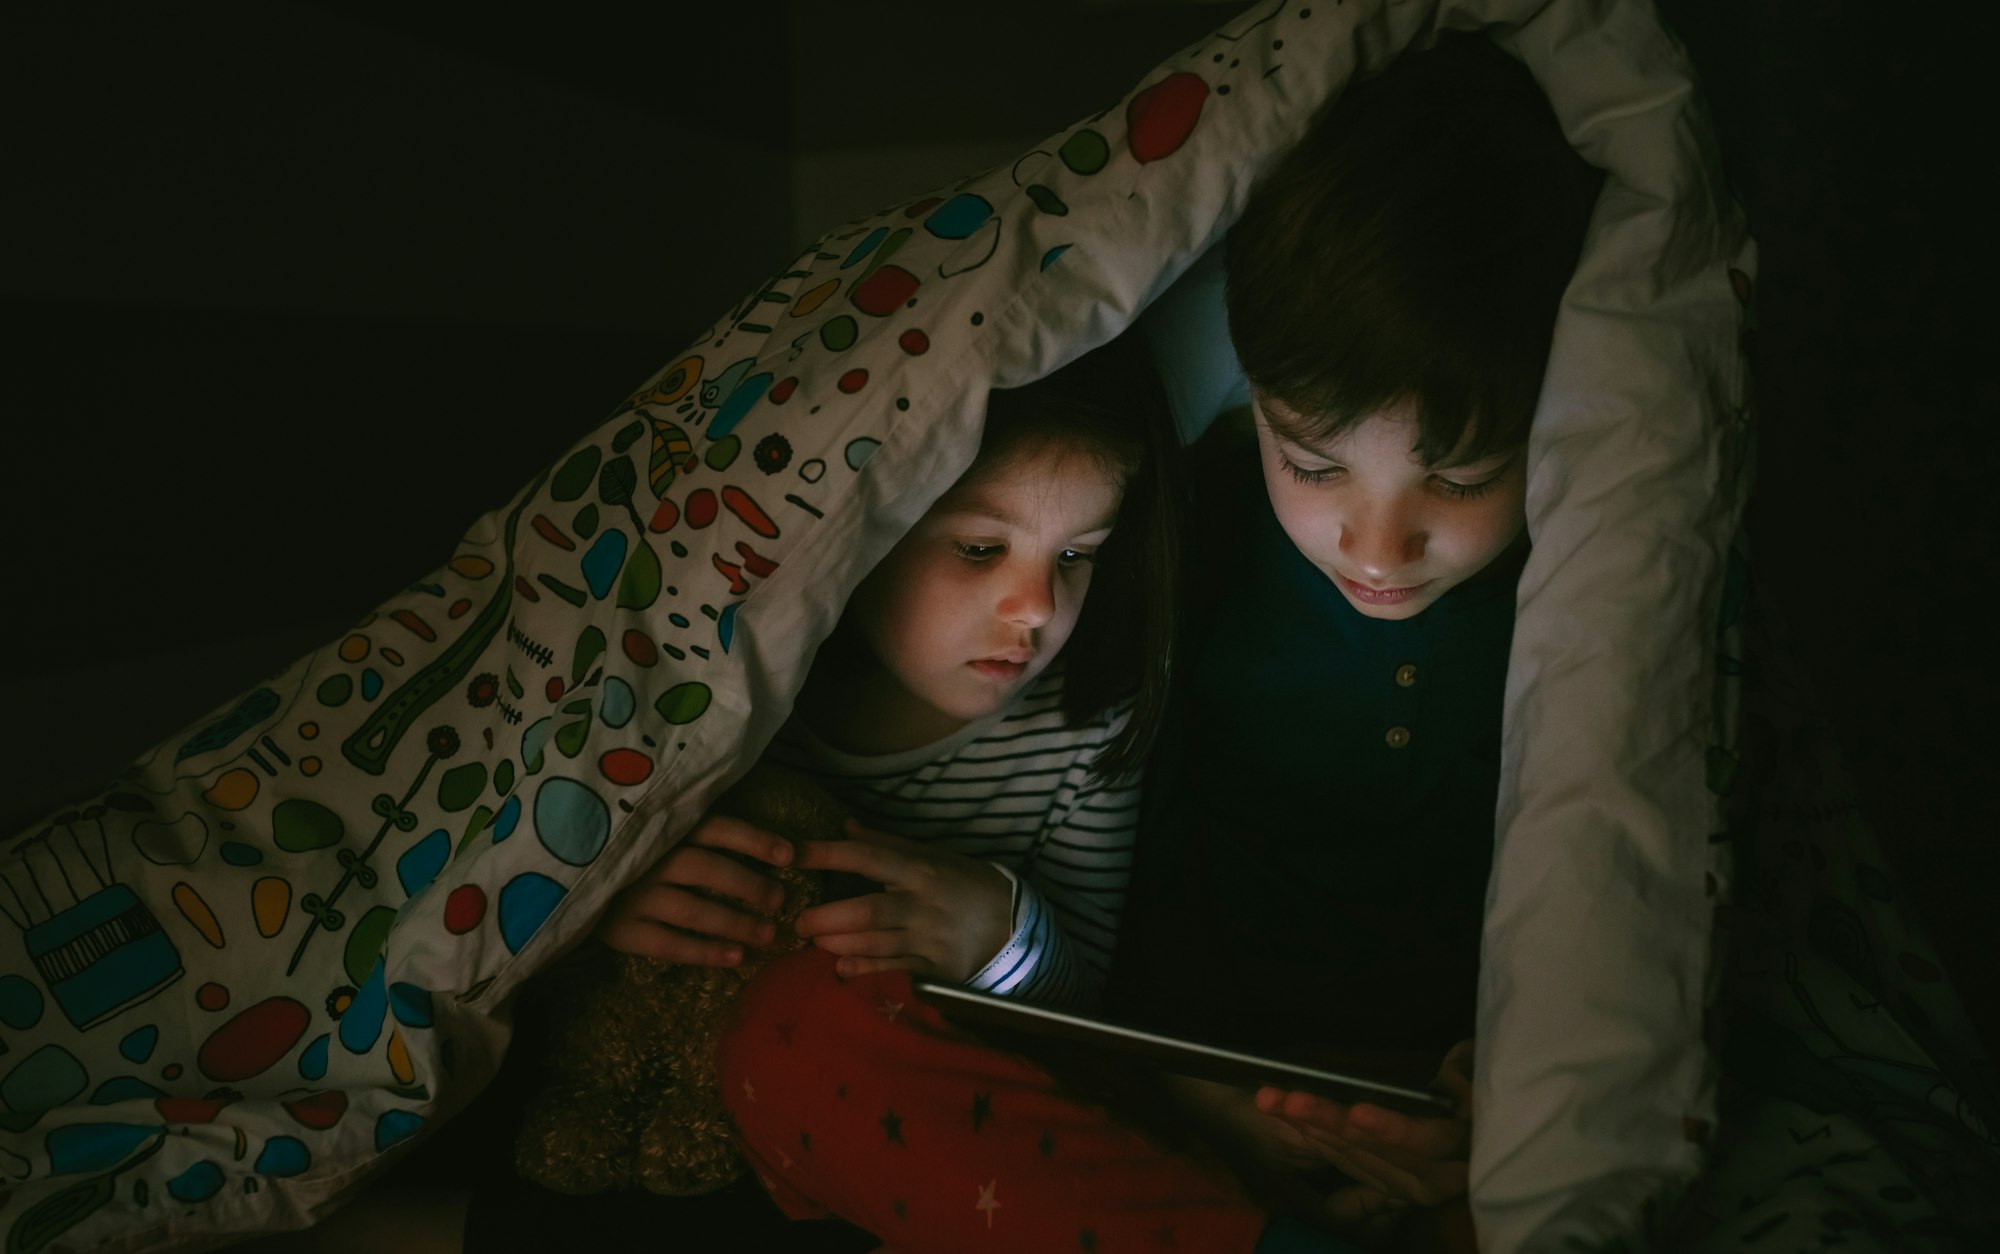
{"points": [[857, 1100]]}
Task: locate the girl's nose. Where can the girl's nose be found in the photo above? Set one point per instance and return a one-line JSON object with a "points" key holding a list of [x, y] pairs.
{"points": [[1380, 543], [1030, 596]]}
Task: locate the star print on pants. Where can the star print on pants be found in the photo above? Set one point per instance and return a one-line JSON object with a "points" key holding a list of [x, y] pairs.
{"points": [[987, 1202], [892, 1123]]}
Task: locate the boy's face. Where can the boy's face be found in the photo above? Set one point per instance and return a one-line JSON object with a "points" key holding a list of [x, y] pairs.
{"points": [[976, 601], [1392, 534]]}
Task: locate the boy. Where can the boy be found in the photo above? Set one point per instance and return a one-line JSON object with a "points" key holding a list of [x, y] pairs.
{"points": [[1322, 818]]}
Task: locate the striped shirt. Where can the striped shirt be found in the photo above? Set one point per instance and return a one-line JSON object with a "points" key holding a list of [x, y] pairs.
{"points": [[1014, 790]]}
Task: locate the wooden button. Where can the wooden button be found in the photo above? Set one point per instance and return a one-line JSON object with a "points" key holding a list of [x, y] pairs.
{"points": [[1397, 737], [1406, 675]]}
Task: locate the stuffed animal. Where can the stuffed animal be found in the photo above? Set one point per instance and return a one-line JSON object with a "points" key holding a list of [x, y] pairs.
{"points": [[630, 1096]]}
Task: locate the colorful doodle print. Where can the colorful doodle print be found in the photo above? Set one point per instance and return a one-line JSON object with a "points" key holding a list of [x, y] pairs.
{"points": [[265, 955]]}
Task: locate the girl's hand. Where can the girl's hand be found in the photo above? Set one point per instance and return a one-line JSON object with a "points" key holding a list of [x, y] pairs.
{"points": [[940, 914], [668, 917], [1393, 1160]]}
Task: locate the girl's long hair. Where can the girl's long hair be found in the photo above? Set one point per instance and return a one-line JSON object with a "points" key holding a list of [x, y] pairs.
{"points": [[1109, 405]]}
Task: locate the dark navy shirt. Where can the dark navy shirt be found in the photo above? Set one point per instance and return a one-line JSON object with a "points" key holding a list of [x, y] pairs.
{"points": [[1312, 869]]}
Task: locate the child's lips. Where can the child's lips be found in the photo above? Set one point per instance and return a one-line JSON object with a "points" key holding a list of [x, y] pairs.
{"points": [[1002, 666], [1380, 596]]}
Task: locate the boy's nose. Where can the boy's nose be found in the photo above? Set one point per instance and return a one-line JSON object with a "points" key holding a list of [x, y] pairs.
{"points": [[1030, 598], [1378, 547]]}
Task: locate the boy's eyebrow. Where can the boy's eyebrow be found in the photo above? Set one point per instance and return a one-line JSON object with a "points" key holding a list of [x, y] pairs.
{"points": [[1287, 427], [1500, 460]]}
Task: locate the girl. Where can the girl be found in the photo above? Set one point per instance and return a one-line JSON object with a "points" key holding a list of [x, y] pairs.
{"points": [[982, 709]]}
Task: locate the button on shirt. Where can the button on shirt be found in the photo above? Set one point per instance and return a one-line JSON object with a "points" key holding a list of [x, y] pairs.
{"points": [[1320, 824]]}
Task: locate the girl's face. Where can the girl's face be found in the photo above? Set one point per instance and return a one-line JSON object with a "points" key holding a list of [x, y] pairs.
{"points": [[981, 595], [1392, 534]]}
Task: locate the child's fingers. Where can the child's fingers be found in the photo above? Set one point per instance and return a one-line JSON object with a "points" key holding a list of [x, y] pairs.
{"points": [[1412, 1137], [699, 868], [1303, 1109], [719, 831], [1454, 1077], [870, 912], [860, 857], [1420, 1180], [866, 944], [700, 915]]}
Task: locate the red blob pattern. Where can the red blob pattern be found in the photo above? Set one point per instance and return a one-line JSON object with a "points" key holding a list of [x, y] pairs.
{"points": [[754, 562], [211, 996], [1160, 118], [553, 688], [625, 767], [922, 207], [639, 647], [738, 585], [552, 533], [781, 391], [665, 517], [526, 589], [914, 342], [749, 511], [459, 607], [415, 625], [883, 292], [188, 1109], [853, 381], [254, 1040], [318, 1111], [464, 909], [700, 508]]}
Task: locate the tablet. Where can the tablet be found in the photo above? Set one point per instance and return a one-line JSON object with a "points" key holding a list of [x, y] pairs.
{"points": [[1019, 1021]]}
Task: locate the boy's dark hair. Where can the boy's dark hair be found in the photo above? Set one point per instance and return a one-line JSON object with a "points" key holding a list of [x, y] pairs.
{"points": [[1108, 404], [1412, 249]]}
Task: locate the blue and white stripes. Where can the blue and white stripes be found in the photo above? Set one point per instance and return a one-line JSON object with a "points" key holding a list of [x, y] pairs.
{"points": [[1014, 790]]}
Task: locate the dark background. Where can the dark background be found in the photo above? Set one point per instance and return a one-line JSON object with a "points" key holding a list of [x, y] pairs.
{"points": [[295, 291]]}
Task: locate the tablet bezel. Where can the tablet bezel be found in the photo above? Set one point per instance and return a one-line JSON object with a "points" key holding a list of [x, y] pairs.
{"points": [[986, 1012]]}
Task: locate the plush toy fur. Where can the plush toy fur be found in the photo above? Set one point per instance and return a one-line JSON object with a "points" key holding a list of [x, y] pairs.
{"points": [[630, 1097]]}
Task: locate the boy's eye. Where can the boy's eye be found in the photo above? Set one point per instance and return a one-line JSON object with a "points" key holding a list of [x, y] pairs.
{"points": [[977, 552], [1317, 475], [1466, 491]]}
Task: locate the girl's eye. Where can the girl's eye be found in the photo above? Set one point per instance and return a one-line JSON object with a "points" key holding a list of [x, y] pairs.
{"points": [[977, 552], [1076, 557], [1467, 491], [1308, 477]]}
